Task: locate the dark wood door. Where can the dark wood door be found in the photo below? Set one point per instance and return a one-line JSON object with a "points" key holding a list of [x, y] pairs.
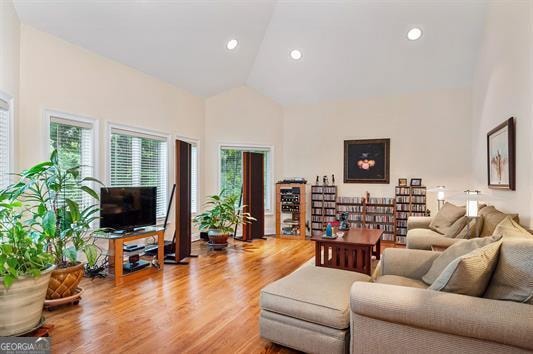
{"points": [[253, 194], [183, 200]]}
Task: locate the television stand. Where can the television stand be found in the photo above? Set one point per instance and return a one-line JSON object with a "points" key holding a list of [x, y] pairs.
{"points": [[128, 231], [116, 254]]}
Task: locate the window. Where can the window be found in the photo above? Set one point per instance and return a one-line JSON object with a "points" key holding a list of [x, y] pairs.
{"points": [[138, 159], [5, 143], [74, 141], [231, 171], [194, 178]]}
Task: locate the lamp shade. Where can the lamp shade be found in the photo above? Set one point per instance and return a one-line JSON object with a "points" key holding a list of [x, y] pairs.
{"points": [[441, 192], [472, 198], [472, 203]]}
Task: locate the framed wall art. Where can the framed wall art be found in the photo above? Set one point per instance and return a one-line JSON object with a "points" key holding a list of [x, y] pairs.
{"points": [[501, 156], [367, 161], [416, 182]]}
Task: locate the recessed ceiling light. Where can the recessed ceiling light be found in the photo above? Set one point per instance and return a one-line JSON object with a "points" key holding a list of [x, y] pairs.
{"points": [[414, 34], [232, 44], [296, 54]]}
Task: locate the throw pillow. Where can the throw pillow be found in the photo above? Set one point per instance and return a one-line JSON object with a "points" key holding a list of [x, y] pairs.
{"points": [[456, 227], [456, 250], [513, 277], [445, 218], [510, 228], [491, 218], [469, 274]]}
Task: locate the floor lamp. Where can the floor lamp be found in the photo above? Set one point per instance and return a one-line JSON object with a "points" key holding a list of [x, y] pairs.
{"points": [[471, 198], [441, 195]]}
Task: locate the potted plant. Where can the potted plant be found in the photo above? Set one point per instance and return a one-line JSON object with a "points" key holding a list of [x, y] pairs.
{"points": [[25, 270], [221, 218], [49, 192]]}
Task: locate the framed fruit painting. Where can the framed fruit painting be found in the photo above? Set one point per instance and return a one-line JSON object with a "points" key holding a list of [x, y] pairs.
{"points": [[367, 161]]}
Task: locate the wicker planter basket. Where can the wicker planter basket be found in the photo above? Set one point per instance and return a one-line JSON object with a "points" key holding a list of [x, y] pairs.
{"points": [[64, 281], [219, 239]]}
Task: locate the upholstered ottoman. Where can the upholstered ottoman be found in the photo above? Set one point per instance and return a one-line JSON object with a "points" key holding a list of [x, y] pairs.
{"points": [[309, 309]]}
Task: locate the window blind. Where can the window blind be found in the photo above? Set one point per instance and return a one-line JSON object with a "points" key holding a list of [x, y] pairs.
{"points": [[138, 160], [231, 171], [5, 151], [194, 179], [73, 141]]}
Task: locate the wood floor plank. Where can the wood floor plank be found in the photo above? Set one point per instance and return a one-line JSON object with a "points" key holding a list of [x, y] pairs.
{"points": [[208, 306]]}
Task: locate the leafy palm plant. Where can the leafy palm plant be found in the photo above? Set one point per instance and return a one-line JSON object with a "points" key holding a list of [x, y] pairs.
{"points": [[222, 214], [45, 190], [22, 251]]}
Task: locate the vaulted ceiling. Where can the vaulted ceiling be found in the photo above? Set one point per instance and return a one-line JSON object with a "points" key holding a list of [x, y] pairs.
{"points": [[351, 49]]}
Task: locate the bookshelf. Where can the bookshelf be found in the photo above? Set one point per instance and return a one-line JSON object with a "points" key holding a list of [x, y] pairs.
{"points": [[323, 207], [370, 212], [410, 201]]}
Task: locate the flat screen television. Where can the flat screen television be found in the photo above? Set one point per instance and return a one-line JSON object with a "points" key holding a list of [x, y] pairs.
{"points": [[127, 208]]}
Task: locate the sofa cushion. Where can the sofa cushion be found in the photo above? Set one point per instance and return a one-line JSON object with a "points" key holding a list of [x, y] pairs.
{"points": [[513, 278], [453, 252], [401, 281], [315, 294], [423, 239], [472, 229], [510, 228], [491, 218], [446, 217], [469, 274]]}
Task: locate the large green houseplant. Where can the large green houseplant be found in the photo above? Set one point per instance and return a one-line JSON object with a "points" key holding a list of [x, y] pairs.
{"points": [[221, 217], [49, 193], [25, 269]]}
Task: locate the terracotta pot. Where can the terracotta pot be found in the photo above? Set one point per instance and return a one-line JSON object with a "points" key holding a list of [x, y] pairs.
{"points": [[21, 306], [217, 237], [64, 281]]}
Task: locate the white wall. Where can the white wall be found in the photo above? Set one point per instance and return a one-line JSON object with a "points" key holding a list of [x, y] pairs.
{"points": [[429, 132], [242, 116], [503, 89], [63, 77], [9, 55]]}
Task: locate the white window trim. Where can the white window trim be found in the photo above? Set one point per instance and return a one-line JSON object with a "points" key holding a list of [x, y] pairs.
{"points": [[11, 131], [74, 118], [196, 142], [147, 132], [245, 147]]}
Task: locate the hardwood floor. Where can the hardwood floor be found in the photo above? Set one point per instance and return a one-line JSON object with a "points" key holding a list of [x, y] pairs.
{"points": [[208, 306]]}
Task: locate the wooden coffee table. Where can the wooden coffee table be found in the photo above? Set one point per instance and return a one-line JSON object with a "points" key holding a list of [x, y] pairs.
{"points": [[352, 252]]}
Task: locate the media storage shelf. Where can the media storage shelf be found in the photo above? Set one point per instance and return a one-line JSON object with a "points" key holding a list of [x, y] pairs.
{"points": [[290, 210], [410, 201], [323, 207], [370, 212]]}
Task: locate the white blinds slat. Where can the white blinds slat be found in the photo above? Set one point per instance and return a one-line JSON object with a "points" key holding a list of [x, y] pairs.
{"points": [[74, 145], [5, 151], [140, 161]]}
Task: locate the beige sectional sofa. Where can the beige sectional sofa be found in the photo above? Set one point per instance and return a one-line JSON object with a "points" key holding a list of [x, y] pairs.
{"points": [[421, 235], [322, 310]]}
